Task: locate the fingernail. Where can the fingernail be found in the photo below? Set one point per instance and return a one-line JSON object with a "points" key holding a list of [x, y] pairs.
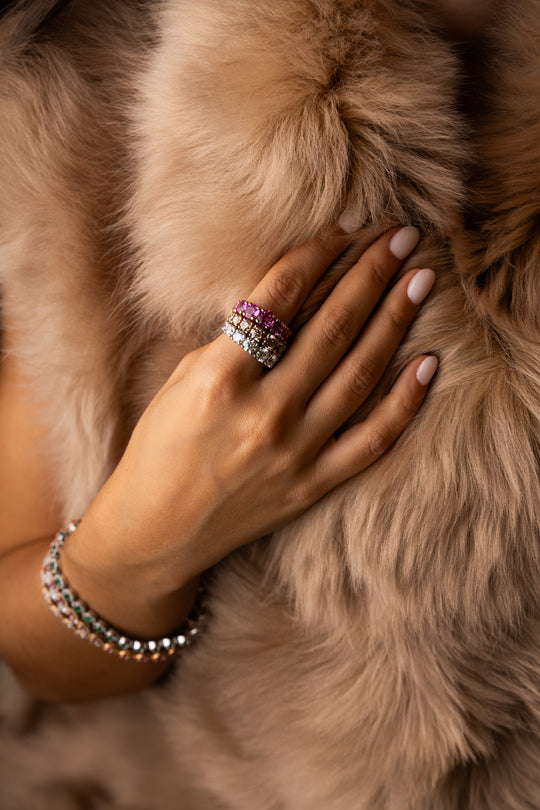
{"points": [[426, 370], [348, 221], [420, 285], [402, 242]]}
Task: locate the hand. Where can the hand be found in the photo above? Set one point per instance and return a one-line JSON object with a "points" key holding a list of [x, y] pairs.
{"points": [[227, 451]]}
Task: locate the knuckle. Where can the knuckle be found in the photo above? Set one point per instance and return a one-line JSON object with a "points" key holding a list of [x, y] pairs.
{"points": [[379, 440], [324, 247], [258, 442], [210, 373], [285, 287], [363, 378], [214, 384], [380, 273], [398, 320], [337, 327], [266, 426], [306, 491], [408, 405]]}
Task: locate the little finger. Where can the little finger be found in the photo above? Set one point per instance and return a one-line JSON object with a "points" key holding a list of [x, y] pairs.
{"points": [[359, 446]]}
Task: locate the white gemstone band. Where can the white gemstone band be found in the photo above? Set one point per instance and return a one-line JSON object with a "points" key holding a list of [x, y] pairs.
{"points": [[265, 344]]}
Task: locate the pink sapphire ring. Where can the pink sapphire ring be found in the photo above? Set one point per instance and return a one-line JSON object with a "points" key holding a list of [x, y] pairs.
{"points": [[258, 332]]}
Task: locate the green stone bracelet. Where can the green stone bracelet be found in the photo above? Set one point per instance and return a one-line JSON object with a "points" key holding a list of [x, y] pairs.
{"points": [[79, 617]]}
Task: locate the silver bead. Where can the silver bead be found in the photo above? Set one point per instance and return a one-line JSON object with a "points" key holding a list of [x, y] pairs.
{"points": [[74, 613]]}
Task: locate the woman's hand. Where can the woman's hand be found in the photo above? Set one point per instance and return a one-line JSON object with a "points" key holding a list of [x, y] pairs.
{"points": [[227, 452]]}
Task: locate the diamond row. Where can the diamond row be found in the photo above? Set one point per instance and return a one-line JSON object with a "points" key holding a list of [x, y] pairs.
{"points": [[247, 328], [78, 616]]}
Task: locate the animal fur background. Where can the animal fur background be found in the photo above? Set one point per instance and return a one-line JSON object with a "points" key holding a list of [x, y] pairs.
{"points": [[383, 651]]}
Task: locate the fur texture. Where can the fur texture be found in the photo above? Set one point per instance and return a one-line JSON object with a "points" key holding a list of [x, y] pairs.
{"points": [[155, 160]]}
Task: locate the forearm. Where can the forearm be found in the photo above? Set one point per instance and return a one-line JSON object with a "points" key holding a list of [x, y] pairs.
{"points": [[49, 659]]}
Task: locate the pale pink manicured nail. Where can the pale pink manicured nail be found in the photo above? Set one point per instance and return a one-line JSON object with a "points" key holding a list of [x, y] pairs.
{"points": [[426, 370], [420, 285], [404, 241], [349, 221]]}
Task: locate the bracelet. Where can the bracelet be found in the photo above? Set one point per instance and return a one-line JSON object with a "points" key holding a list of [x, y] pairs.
{"points": [[78, 616]]}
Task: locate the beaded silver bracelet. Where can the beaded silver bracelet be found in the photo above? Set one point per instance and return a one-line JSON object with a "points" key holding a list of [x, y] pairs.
{"points": [[78, 616]]}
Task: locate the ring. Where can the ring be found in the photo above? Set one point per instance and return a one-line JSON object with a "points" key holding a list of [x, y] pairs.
{"points": [[258, 332]]}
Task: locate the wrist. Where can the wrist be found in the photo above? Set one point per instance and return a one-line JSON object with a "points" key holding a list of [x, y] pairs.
{"points": [[134, 538], [125, 596]]}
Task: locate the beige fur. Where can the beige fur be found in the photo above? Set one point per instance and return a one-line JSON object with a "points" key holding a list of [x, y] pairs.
{"points": [[381, 652]]}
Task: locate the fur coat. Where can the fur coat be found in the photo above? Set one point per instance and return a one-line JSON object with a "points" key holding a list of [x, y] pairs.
{"points": [[382, 652]]}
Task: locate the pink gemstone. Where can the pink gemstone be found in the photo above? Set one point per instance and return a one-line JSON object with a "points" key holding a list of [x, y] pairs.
{"points": [[268, 319], [238, 305], [250, 310]]}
